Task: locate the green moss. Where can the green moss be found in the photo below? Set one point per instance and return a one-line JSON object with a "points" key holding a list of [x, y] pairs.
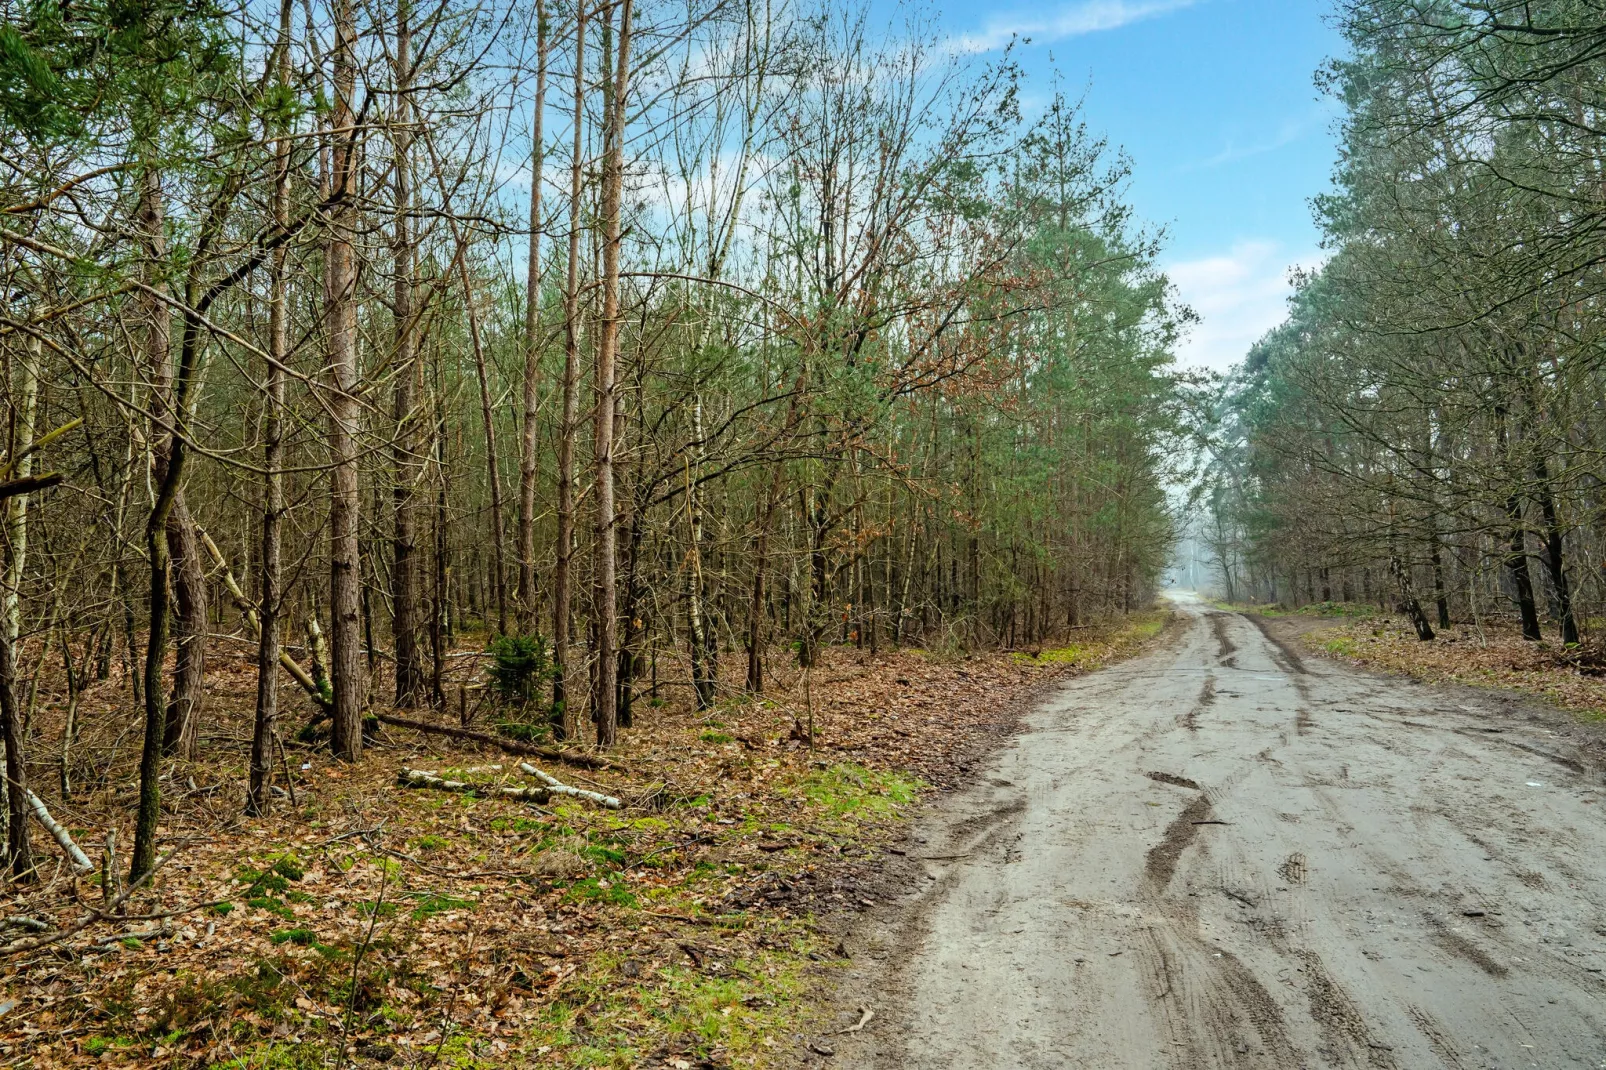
{"points": [[719, 738], [272, 906], [432, 843], [431, 903], [279, 1056], [591, 890], [299, 937], [848, 790]]}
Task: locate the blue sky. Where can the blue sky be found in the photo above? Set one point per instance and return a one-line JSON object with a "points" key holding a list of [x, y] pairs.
{"points": [[1215, 102]]}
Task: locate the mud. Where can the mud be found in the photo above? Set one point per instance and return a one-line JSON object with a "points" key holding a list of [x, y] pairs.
{"points": [[1311, 867]]}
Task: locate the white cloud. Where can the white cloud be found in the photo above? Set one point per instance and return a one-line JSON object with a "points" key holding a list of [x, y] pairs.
{"points": [[1072, 20], [1239, 296]]}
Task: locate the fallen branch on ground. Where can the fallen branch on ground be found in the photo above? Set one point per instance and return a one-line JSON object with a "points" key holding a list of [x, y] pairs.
{"points": [[557, 787], [865, 1014], [423, 778], [75, 856], [511, 746]]}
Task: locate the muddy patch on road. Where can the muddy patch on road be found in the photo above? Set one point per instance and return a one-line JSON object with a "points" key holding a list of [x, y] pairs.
{"points": [[1160, 864], [1218, 625]]}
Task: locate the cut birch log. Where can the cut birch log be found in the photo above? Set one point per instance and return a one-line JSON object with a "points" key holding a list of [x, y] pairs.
{"points": [[423, 778], [557, 787], [511, 746], [75, 856], [22, 921]]}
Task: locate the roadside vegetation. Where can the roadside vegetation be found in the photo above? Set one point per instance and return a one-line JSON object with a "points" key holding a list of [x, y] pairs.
{"points": [[366, 923]]}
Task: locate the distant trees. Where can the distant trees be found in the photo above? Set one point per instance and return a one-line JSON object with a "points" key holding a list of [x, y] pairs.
{"points": [[813, 339], [1426, 424]]}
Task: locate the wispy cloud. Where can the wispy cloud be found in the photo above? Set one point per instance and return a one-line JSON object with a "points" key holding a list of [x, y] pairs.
{"points": [[1071, 20], [1239, 296], [1286, 133]]}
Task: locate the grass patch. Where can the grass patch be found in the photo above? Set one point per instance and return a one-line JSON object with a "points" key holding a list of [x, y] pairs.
{"points": [[848, 790], [1340, 646], [740, 1013], [278, 1056]]}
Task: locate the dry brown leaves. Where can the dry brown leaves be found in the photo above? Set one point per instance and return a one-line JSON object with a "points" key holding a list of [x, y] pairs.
{"points": [[366, 924], [1494, 655]]}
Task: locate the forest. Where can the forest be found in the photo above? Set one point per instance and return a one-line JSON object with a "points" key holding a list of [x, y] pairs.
{"points": [[1424, 432], [575, 354]]}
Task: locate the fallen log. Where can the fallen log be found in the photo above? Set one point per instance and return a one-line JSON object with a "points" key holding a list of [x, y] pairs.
{"points": [[75, 856], [423, 778], [557, 787], [511, 746]]}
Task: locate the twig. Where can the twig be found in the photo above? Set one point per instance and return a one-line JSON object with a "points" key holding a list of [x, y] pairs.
{"points": [[865, 1014]]}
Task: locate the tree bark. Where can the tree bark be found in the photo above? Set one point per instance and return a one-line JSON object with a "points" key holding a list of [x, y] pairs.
{"points": [[404, 450], [19, 857], [529, 455], [606, 552], [1555, 565], [563, 721], [259, 792], [340, 281], [189, 632]]}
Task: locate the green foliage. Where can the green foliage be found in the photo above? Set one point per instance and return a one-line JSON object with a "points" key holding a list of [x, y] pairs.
{"points": [[518, 667]]}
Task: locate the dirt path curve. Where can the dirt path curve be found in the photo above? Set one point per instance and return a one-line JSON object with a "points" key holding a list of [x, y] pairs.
{"points": [[1220, 855]]}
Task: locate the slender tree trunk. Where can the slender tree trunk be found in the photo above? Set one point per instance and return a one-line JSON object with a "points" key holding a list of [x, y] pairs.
{"points": [[488, 424], [561, 595], [529, 453], [440, 600], [606, 564], [19, 857], [190, 624], [1517, 563], [173, 404], [1555, 565], [704, 667], [1441, 599], [404, 584], [259, 794], [340, 281], [761, 547], [25, 405]]}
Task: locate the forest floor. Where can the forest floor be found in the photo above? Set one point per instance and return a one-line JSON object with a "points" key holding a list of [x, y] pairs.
{"points": [[1485, 654], [366, 924], [1228, 854]]}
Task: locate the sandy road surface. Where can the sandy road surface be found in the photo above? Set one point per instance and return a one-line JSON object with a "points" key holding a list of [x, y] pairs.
{"points": [[1220, 855]]}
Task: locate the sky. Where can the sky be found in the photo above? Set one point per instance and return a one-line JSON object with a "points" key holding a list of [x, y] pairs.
{"points": [[1215, 102]]}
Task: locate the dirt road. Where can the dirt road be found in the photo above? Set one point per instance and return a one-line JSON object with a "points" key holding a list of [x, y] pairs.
{"points": [[1222, 855]]}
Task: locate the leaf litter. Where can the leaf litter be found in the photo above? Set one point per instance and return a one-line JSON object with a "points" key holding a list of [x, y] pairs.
{"points": [[370, 924]]}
